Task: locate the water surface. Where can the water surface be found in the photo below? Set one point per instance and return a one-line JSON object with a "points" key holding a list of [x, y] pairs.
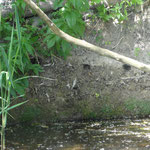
{"points": [[100, 135]]}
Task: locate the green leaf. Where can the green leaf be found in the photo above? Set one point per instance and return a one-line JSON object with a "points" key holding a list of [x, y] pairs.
{"points": [[1, 77], [59, 22], [29, 48], [66, 48], [7, 108], [25, 82], [36, 68], [51, 42], [13, 92], [23, 5], [79, 28], [4, 57], [125, 12], [76, 3], [96, 1], [139, 2], [18, 25], [70, 17], [19, 88], [81, 5], [58, 3]]}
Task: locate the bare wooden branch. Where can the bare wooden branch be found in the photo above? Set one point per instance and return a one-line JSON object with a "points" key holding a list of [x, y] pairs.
{"points": [[83, 43]]}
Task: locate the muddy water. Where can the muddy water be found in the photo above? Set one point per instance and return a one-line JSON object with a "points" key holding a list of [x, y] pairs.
{"points": [[101, 135]]}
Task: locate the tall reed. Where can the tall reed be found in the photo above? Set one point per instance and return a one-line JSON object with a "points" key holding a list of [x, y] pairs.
{"points": [[7, 77]]}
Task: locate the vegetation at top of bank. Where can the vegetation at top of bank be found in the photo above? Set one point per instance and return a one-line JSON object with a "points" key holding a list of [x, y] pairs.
{"points": [[68, 16]]}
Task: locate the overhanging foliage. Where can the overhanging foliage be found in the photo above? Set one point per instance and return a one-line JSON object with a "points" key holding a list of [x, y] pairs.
{"points": [[73, 40]]}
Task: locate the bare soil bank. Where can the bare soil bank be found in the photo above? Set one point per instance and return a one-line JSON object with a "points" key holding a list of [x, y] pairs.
{"points": [[89, 86]]}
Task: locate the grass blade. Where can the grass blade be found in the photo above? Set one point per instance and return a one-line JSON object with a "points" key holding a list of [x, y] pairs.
{"points": [[18, 27], [7, 108], [4, 56]]}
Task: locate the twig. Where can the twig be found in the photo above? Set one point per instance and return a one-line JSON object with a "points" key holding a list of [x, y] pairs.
{"points": [[35, 77], [118, 43]]}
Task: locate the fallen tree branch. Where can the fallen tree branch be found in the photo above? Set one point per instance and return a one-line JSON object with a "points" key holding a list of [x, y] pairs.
{"points": [[99, 50]]}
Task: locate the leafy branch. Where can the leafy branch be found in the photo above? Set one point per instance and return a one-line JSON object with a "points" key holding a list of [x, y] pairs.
{"points": [[73, 40]]}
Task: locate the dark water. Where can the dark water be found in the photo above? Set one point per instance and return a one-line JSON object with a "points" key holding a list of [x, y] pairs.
{"points": [[103, 135]]}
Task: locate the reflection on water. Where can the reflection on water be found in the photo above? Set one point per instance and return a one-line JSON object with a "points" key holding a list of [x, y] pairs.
{"points": [[103, 135]]}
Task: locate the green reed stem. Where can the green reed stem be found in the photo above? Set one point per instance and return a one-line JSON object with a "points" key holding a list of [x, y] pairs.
{"points": [[6, 79]]}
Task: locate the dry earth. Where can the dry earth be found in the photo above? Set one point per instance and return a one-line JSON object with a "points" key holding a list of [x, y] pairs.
{"points": [[87, 85]]}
